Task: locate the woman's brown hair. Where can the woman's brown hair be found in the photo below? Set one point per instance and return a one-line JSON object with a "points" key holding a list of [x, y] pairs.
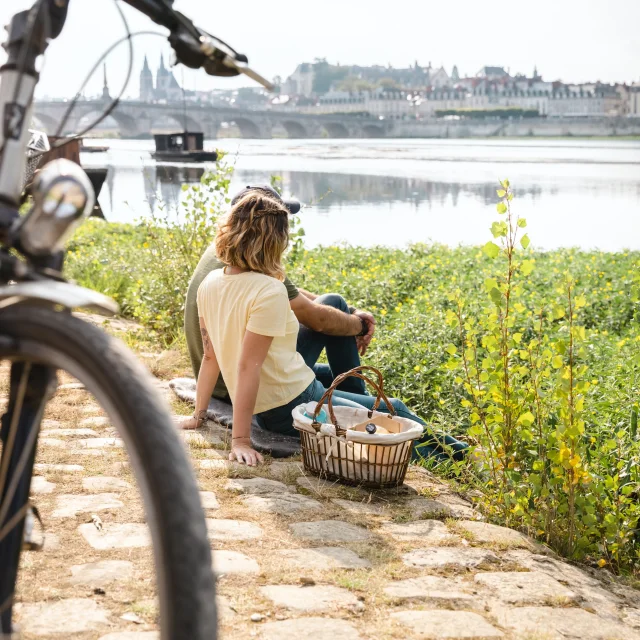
{"points": [[254, 235]]}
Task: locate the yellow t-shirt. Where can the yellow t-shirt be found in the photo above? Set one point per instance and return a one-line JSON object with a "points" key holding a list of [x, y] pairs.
{"points": [[233, 304]]}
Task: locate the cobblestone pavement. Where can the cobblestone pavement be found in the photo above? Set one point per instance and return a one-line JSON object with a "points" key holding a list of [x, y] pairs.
{"points": [[297, 558]]}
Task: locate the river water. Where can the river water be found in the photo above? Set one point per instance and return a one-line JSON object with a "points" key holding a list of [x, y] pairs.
{"points": [[583, 193]]}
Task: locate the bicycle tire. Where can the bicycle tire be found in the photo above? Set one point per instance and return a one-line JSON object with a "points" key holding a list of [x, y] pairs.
{"points": [[122, 386]]}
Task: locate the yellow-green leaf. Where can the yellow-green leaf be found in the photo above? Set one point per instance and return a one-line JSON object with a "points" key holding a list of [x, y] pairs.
{"points": [[526, 419], [489, 284], [501, 207], [491, 249], [522, 222], [517, 337], [556, 363], [501, 193], [524, 241], [526, 267], [451, 349]]}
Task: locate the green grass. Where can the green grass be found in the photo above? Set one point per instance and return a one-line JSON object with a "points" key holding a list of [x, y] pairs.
{"points": [[409, 293]]}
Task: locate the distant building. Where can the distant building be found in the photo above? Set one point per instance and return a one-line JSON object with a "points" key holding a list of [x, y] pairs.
{"points": [[165, 88], [492, 73], [300, 82]]}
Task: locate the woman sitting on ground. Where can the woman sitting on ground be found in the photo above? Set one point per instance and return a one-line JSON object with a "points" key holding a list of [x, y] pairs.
{"points": [[249, 332]]}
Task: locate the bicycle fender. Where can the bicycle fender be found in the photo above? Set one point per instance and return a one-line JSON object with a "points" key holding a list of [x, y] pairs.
{"points": [[51, 292]]}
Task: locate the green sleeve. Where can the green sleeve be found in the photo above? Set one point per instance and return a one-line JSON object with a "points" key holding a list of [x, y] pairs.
{"points": [[292, 290]]}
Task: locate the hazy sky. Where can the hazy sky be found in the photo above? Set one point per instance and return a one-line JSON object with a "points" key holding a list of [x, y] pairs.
{"points": [[570, 40]]}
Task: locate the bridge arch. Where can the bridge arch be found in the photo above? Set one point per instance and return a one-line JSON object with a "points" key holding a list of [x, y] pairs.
{"points": [[191, 123], [44, 122], [294, 129], [335, 129], [124, 124], [373, 131]]}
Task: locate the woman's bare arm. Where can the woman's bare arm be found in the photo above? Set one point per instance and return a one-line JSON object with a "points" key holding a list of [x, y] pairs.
{"points": [[207, 378], [254, 351]]}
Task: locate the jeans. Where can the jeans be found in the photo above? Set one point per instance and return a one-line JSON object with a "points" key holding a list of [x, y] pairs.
{"points": [[280, 420], [342, 351]]}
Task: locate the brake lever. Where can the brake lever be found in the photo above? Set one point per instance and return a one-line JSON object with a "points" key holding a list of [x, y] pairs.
{"points": [[196, 49]]}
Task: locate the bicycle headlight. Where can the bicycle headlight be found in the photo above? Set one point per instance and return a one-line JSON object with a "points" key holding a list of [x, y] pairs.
{"points": [[62, 197]]}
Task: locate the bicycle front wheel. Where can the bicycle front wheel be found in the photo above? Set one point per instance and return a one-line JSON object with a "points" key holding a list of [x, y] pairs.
{"points": [[124, 390]]}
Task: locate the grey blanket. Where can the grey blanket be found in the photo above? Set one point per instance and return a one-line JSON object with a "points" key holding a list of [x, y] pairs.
{"points": [[275, 444]]}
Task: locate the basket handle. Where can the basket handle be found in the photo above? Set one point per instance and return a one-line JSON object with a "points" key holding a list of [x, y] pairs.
{"points": [[355, 373]]}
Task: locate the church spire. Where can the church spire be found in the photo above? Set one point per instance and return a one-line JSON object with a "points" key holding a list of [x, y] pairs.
{"points": [[105, 86]]}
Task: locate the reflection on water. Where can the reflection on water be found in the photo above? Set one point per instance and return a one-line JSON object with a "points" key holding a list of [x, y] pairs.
{"points": [[584, 194]]}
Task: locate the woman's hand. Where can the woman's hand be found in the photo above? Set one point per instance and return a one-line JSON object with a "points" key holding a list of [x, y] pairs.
{"points": [[244, 453], [189, 423]]}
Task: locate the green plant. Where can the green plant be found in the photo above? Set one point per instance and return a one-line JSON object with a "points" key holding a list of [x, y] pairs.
{"points": [[520, 364]]}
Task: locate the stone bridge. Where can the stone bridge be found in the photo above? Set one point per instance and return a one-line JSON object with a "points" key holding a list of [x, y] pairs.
{"points": [[135, 119]]}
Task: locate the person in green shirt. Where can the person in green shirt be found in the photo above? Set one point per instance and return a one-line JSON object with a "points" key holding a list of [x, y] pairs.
{"points": [[327, 322]]}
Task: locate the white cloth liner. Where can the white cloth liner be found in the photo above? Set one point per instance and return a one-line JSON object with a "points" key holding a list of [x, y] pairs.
{"points": [[355, 456]]}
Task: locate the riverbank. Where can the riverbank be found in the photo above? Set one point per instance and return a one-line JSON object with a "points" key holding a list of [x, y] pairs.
{"points": [[410, 291], [296, 558]]}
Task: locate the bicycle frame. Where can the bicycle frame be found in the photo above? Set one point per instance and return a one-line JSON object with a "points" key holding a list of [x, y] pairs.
{"points": [[39, 279]]}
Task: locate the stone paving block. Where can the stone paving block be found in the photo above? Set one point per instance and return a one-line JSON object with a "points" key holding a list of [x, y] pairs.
{"points": [[440, 557], [69, 505], [209, 500], [225, 609], [571, 622], [437, 624], [525, 587], [330, 531], [72, 615], [233, 563], [116, 536], [493, 534], [228, 530], [554, 567], [309, 629], [631, 616], [379, 509], [201, 439], [68, 433], [257, 486], [54, 443], [95, 421], [63, 468], [71, 385], [96, 574], [435, 590], [51, 541], [51, 424], [91, 408], [131, 635], [313, 598], [425, 531], [214, 463], [104, 483], [99, 443], [281, 504], [40, 485], [322, 558], [428, 508]]}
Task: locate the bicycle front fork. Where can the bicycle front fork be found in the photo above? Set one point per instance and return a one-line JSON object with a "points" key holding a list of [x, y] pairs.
{"points": [[31, 386]]}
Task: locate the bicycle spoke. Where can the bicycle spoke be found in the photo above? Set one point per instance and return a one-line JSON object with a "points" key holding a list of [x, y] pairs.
{"points": [[7, 450], [22, 463], [14, 521]]}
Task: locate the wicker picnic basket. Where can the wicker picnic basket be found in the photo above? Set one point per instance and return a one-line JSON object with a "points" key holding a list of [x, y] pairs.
{"points": [[344, 451]]}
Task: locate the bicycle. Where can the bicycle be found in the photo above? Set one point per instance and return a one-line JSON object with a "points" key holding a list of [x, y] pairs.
{"points": [[39, 335]]}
